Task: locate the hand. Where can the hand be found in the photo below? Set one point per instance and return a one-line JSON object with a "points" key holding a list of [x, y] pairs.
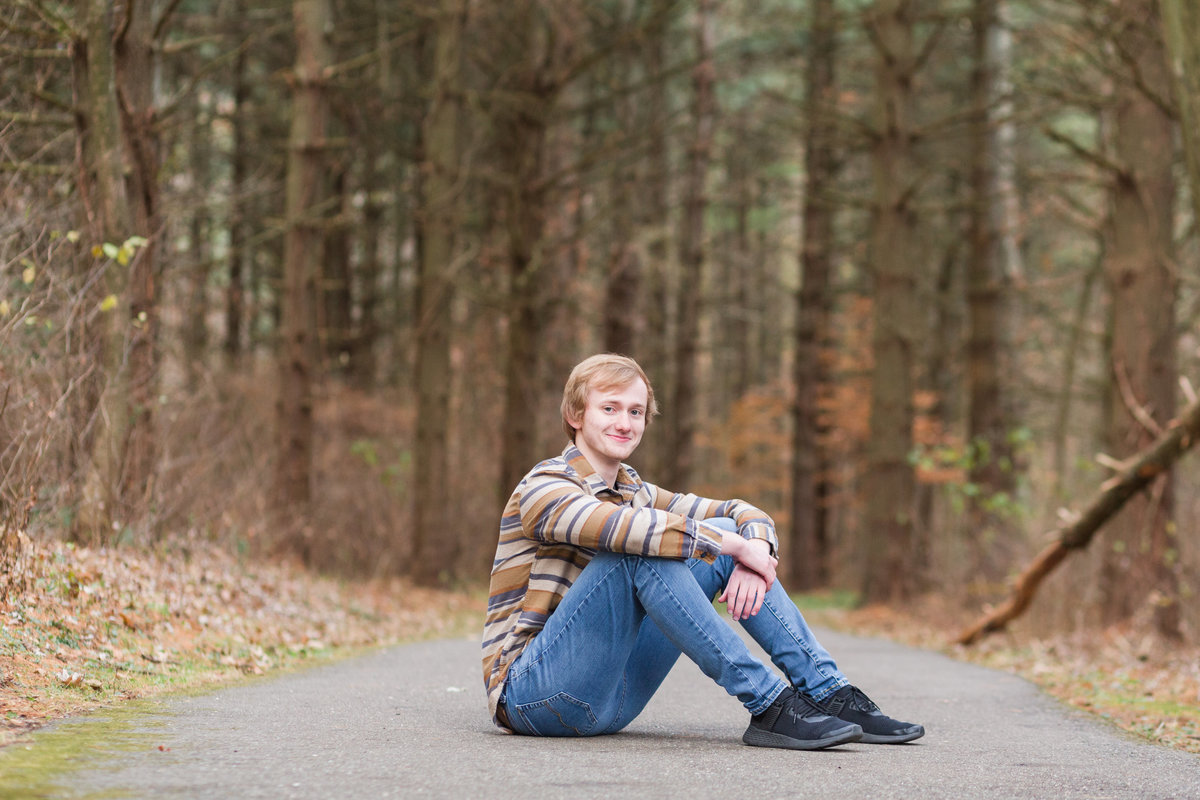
{"points": [[744, 593], [757, 557], [753, 554]]}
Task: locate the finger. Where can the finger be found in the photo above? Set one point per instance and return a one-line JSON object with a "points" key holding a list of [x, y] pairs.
{"points": [[743, 600], [747, 603], [748, 600], [735, 602], [758, 601]]}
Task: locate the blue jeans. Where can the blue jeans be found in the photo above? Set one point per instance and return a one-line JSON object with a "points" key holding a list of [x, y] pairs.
{"points": [[620, 628]]}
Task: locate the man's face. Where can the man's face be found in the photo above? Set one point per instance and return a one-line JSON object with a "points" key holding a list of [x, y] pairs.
{"points": [[612, 425]]}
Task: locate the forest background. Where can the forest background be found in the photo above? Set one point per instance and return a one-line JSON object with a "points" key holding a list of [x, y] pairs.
{"points": [[304, 279]]}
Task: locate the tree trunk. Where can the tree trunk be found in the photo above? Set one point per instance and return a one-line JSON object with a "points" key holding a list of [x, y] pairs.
{"points": [[655, 227], [1071, 354], [336, 290], [682, 413], [623, 278], [739, 280], [105, 217], [137, 70], [526, 321], [522, 122], [889, 485], [113, 67], [990, 421], [810, 461], [1181, 24], [305, 191], [435, 542], [1139, 271], [235, 292], [624, 315], [195, 333]]}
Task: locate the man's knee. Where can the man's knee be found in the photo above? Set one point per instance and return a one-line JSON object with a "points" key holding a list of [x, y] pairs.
{"points": [[723, 523]]}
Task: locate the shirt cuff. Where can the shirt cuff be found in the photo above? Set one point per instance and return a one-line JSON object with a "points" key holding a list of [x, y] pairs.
{"points": [[708, 541], [756, 530]]}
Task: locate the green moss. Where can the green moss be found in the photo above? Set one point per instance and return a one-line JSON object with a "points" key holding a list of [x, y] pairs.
{"points": [[42, 766]]}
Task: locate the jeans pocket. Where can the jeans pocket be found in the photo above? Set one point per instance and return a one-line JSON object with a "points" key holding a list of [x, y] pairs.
{"points": [[560, 715]]}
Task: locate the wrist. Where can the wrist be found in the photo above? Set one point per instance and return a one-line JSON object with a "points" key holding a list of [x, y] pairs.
{"points": [[732, 544]]}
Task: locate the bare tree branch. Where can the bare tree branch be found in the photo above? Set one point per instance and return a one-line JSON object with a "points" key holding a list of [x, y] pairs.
{"points": [[1153, 461]]}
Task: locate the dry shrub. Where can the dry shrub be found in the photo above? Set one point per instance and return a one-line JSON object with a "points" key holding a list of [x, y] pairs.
{"points": [[43, 383], [218, 468], [363, 469]]}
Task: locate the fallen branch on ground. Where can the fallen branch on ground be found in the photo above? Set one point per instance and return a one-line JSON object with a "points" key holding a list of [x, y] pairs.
{"points": [[1181, 434]]}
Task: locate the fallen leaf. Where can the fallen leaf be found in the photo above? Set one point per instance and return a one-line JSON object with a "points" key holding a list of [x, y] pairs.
{"points": [[68, 678]]}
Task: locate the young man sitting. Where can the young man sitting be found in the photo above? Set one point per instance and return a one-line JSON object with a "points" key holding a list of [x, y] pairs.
{"points": [[601, 580]]}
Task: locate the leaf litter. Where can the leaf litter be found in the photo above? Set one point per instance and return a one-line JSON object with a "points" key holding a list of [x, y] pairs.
{"points": [[96, 626]]}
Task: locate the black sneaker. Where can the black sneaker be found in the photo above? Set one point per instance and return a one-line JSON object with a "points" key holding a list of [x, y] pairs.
{"points": [[794, 721], [850, 704]]}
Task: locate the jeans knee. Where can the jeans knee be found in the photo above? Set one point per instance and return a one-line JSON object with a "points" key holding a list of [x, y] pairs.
{"points": [[724, 523]]}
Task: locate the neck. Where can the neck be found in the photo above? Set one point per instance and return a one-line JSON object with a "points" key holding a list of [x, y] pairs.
{"points": [[604, 468], [610, 476]]}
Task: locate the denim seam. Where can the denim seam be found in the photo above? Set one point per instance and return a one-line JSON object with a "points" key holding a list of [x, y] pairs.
{"points": [[616, 723]]}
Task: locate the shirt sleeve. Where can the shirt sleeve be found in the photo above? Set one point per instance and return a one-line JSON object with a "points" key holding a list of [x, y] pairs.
{"points": [[752, 522], [556, 509]]}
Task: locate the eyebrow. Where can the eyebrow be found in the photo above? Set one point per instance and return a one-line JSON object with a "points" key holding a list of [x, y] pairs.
{"points": [[612, 401]]}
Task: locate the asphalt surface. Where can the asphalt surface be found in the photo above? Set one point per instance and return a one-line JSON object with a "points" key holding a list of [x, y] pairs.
{"points": [[412, 722]]}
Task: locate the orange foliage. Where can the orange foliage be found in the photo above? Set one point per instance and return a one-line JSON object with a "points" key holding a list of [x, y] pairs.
{"points": [[750, 449]]}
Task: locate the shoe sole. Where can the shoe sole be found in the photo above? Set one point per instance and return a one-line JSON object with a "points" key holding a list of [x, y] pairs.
{"points": [[760, 738], [896, 738]]}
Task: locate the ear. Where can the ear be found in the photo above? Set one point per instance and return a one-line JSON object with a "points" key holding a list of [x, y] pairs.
{"points": [[575, 423]]}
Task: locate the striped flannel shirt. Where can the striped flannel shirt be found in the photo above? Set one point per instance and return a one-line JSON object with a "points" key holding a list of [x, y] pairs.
{"points": [[560, 515]]}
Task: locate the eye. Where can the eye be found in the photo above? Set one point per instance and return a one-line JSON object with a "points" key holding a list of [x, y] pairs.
{"points": [[637, 412], [607, 409]]}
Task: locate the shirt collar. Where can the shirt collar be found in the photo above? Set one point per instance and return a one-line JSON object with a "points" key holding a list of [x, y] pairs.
{"points": [[627, 479]]}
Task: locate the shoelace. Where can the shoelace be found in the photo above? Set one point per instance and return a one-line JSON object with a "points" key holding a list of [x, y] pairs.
{"points": [[808, 707], [858, 699]]}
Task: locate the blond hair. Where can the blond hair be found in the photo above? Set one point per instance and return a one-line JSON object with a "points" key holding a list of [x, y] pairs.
{"points": [[602, 371]]}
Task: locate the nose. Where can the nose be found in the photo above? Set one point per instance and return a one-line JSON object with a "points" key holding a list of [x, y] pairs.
{"points": [[624, 421]]}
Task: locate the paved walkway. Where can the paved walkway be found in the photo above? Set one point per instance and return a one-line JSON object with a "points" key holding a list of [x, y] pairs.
{"points": [[412, 722]]}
